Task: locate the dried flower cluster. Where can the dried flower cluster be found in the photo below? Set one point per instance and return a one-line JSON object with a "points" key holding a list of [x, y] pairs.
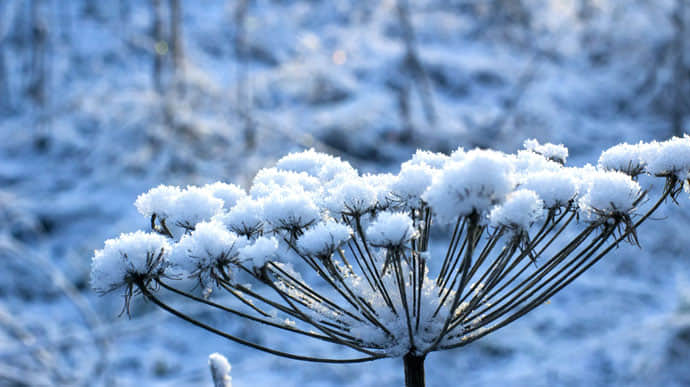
{"points": [[316, 249]]}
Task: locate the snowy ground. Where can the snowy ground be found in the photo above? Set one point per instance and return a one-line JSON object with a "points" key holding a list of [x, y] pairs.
{"points": [[324, 74]]}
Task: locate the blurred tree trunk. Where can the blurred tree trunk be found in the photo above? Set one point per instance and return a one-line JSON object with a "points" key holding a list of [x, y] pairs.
{"points": [[176, 44], [64, 14], [679, 101], [412, 64], [244, 99], [160, 46], [37, 73], [5, 96]]}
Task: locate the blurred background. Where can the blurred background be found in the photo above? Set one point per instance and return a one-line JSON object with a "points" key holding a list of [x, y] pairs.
{"points": [[100, 101]]}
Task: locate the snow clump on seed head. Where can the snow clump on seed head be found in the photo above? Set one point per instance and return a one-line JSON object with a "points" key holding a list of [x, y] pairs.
{"points": [[520, 210], [624, 158], [391, 230], [262, 251], [671, 158], [290, 211], [609, 194], [475, 184], [245, 218], [353, 197], [556, 189], [324, 239], [319, 165], [132, 258], [228, 193], [558, 153], [207, 251], [410, 184]]}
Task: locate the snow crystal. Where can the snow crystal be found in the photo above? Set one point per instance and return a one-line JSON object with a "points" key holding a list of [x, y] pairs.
{"points": [[520, 210], [324, 238], [609, 193], [482, 179], [391, 230], [245, 218], [671, 157], [228, 193], [207, 248], [556, 189], [264, 249], [553, 152], [132, 255]]}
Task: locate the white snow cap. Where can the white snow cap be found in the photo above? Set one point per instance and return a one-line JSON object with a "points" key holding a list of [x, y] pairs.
{"points": [[411, 183], [609, 193], [324, 239], [391, 230], [425, 158], [289, 210], [260, 252], [529, 162], [556, 189], [670, 157], [194, 205], [245, 218], [183, 208], [482, 179], [228, 193], [553, 152], [206, 248], [158, 201], [352, 197], [624, 158], [128, 256], [320, 165], [220, 370], [273, 177], [520, 210]]}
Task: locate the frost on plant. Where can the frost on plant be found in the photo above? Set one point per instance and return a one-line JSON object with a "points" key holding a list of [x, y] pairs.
{"points": [[315, 249]]}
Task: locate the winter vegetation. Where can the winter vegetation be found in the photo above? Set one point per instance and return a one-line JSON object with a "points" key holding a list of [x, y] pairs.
{"points": [[375, 286], [233, 125]]}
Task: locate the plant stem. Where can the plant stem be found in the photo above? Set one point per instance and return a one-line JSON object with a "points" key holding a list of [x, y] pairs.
{"points": [[414, 370]]}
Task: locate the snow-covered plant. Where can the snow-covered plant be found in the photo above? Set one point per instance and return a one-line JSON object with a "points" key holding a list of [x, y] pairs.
{"points": [[318, 250]]}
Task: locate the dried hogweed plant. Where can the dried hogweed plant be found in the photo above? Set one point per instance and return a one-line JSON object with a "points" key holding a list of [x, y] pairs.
{"points": [[318, 250]]}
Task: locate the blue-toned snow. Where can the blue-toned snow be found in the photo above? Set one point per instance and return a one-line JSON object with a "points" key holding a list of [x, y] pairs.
{"points": [[322, 74]]}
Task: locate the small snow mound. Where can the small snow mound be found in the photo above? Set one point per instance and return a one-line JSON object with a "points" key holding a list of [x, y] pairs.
{"points": [[263, 250], [609, 194], [520, 210], [391, 230], [324, 239], [475, 184], [558, 153], [672, 158], [206, 250], [624, 158], [132, 256]]}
